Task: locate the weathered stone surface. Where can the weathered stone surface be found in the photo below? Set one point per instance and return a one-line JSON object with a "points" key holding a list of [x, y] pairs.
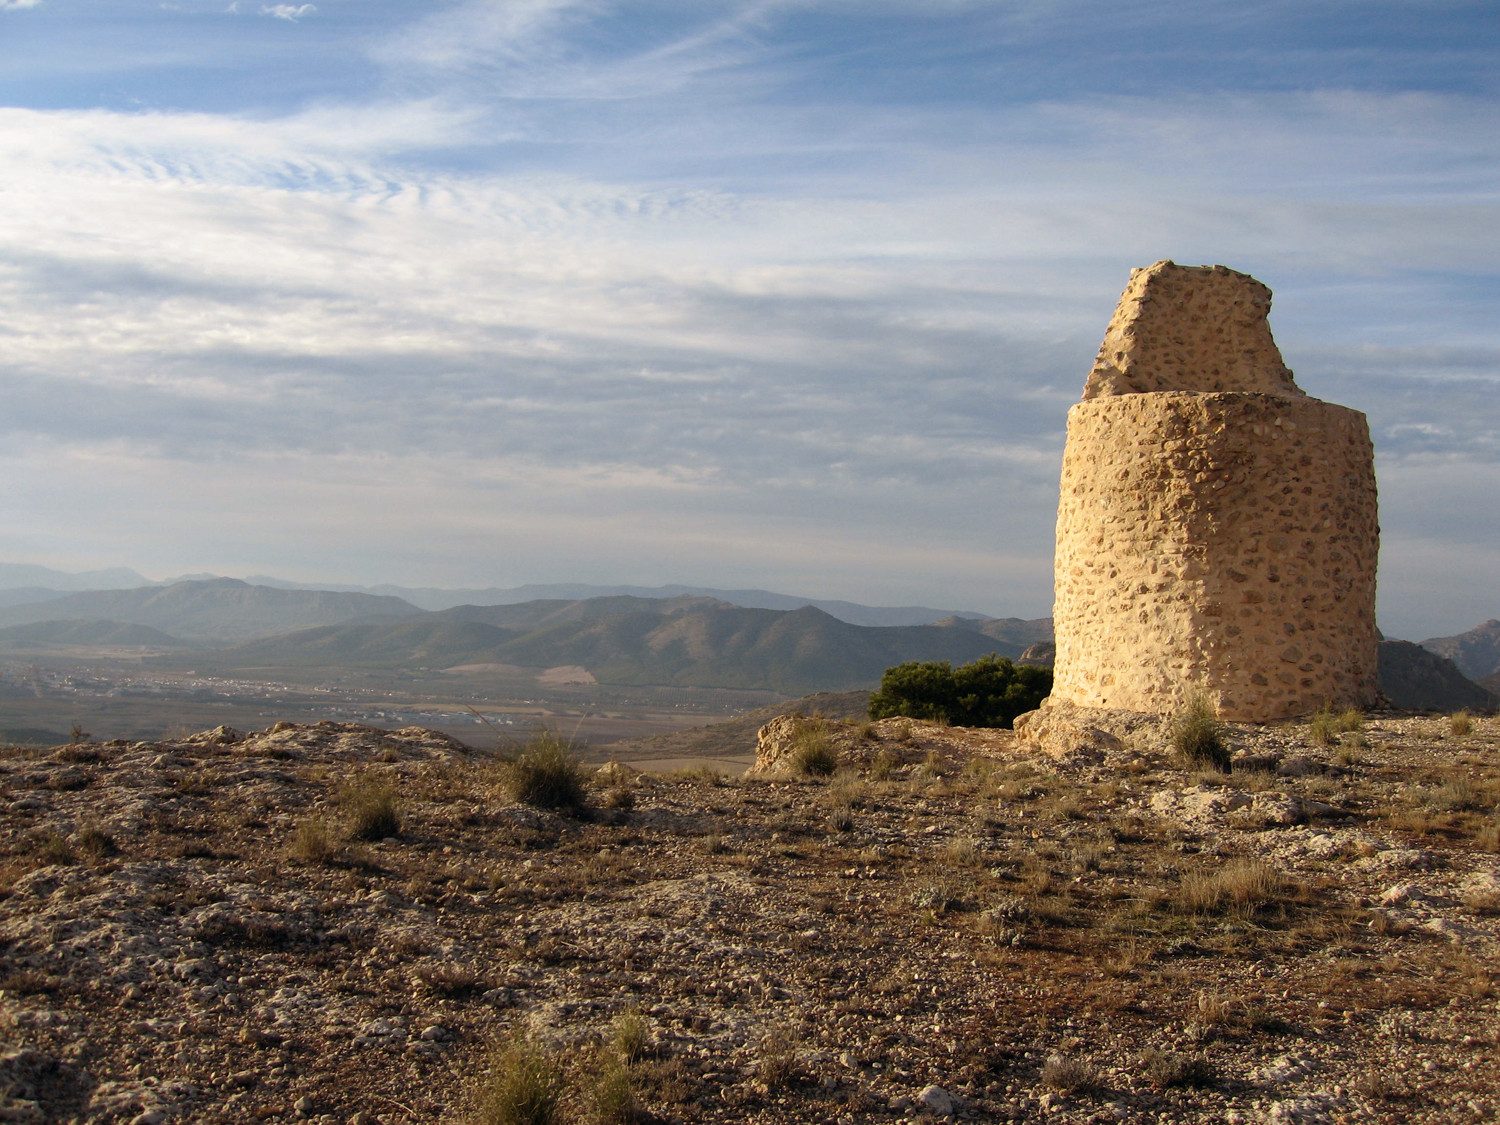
{"points": [[1061, 729], [857, 745], [1190, 328], [1216, 530]]}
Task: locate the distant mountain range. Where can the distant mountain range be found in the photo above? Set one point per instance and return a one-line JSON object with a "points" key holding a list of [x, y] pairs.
{"points": [[218, 609], [686, 641], [23, 583], [671, 635], [1477, 652], [682, 642]]}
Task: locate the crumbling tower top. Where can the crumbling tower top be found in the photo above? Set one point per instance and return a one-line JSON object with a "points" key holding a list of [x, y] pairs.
{"points": [[1190, 328]]}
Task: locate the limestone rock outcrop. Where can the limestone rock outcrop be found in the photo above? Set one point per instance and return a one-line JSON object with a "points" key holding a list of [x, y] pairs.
{"points": [[1216, 530]]}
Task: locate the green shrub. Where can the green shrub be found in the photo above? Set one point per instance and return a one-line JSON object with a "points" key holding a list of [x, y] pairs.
{"points": [[989, 692], [1198, 737], [370, 802], [523, 1086], [546, 774]]}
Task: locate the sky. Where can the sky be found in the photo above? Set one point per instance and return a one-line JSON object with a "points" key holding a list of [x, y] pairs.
{"points": [[788, 294]]}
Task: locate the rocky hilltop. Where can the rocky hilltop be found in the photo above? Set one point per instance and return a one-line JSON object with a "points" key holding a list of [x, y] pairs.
{"points": [[191, 931]]}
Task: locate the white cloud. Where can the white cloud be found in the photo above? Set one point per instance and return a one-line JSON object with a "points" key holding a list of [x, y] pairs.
{"points": [[869, 363], [12, 5], [289, 12]]}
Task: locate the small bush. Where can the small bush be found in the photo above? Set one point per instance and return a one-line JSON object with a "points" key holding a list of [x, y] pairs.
{"points": [[989, 692], [1167, 1068], [1197, 736], [1324, 728], [777, 1066], [1458, 794], [611, 1096], [53, 848], [546, 774], [630, 1035], [524, 1085], [813, 752], [370, 803], [96, 843], [1241, 885], [1461, 723], [312, 842], [1068, 1074]]}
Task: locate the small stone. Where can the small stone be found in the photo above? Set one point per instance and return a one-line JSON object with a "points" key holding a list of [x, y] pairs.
{"points": [[434, 1034], [938, 1100], [304, 1105]]}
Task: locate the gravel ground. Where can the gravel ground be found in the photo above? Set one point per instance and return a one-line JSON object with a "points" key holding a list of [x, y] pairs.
{"points": [[190, 931]]}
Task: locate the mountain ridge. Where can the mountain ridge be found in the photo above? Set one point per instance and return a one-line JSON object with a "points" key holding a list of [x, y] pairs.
{"points": [[221, 609], [627, 642]]}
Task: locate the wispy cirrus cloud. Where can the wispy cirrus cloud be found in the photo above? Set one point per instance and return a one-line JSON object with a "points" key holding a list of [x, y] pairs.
{"points": [[739, 293], [289, 12]]}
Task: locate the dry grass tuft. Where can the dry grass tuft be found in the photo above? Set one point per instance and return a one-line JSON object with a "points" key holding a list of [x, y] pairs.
{"points": [[1167, 1068], [545, 774], [1325, 727], [1460, 724], [312, 842], [369, 802], [524, 1085], [1197, 736], [1240, 886], [777, 1066], [813, 752], [630, 1035], [1068, 1074]]}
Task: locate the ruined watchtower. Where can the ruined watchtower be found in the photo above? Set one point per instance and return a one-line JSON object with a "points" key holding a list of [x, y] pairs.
{"points": [[1216, 531]]}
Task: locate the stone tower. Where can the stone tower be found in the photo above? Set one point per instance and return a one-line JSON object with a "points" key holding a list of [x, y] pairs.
{"points": [[1216, 532]]}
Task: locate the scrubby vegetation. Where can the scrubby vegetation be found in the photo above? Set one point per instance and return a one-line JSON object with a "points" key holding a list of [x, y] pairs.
{"points": [[370, 803], [1197, 736], [989, 692], [545, 774], [813, 751]]}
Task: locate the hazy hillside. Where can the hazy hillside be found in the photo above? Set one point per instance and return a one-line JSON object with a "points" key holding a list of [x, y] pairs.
{"points": [[1011, 630], [540, 614], [18, 575], [220, 609], [636, 641], [1417, 679], [1477, 652], [45, 634], [420, 642], [28, 595], [435, 598], [794, 652]]}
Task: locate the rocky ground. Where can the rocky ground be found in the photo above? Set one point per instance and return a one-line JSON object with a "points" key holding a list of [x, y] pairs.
{"points": [[192, 931]]}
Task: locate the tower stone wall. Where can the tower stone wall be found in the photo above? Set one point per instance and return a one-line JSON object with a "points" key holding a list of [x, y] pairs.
{"points": [[1217, 529]]}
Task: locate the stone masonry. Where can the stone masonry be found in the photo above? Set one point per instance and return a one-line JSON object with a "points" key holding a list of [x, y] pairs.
{"points": [[1216, 532]]}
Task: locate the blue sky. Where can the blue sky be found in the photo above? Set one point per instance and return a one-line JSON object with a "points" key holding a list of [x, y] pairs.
{"points": [[780, 294]]}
